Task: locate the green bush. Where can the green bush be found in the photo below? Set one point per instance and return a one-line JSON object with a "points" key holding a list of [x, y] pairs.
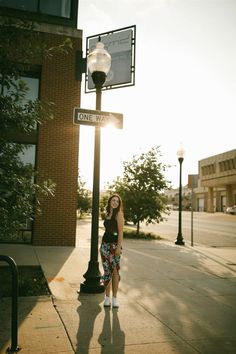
{"points": [[142, 235]]}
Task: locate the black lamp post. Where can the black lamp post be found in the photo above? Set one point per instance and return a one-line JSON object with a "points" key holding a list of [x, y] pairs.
{"points": [[180, 240], [99, 63]]}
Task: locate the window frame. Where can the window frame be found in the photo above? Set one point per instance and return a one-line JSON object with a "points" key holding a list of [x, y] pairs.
{"points": [[40, 17]]}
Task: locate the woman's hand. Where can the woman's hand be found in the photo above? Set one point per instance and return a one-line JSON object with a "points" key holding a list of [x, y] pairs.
{"points": [[118, 250]]}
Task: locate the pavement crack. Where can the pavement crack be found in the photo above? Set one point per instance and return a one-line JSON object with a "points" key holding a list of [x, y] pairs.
{"points": [[63, 323]]}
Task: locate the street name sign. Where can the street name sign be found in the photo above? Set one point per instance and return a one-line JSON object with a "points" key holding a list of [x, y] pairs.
{"points": [[97, 118]]}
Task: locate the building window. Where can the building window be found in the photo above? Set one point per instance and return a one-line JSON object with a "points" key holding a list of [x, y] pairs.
{"points": [[208, 169], [29, 152], [25, 5], [60, 8], [221, 166], [28, 155], [57, 8], [227, 165], [33, 85]]}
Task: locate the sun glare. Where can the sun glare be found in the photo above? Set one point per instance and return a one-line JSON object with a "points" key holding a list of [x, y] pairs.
{"points": [[110, 127]]}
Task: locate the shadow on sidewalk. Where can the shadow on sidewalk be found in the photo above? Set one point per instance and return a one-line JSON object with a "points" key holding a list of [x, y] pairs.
{"points": [[52, 260], [25, 307], [111, 338], [190, 296], [88, 310]]}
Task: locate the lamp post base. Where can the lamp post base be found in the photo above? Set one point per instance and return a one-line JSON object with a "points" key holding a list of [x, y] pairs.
{"points": [[91, 288], [92, 277], [180, 241]]}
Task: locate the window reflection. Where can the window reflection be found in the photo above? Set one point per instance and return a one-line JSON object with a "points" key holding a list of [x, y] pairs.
{"points": [[57, 8], [26, 5], [60, 8], [27, 156]]}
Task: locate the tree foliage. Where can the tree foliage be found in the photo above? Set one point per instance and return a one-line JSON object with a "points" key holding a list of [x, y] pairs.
{"points": [[20, 195], [84, 200], [141, 188], [103, 203]]}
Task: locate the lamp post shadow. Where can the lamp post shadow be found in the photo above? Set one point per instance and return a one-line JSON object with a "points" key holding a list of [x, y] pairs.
{"points": [[87, 311]]}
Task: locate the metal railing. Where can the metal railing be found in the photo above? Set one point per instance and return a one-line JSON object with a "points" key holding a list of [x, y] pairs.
{"points": [[14, 307]]}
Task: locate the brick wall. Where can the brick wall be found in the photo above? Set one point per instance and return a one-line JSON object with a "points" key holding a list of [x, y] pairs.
{"points": [[57, 152]]}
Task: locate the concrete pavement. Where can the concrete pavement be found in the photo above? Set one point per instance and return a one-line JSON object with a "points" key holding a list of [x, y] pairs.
{"points": [[173, 299]]}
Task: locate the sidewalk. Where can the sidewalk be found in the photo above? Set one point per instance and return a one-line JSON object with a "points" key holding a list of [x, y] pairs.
{"points": [[173, 299]]}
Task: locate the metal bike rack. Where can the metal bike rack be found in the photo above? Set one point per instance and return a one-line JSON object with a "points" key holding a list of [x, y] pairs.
{"points": [[14, 308]]}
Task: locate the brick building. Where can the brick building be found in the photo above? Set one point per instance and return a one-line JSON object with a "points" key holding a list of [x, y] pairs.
{"points": [[54, 147]]}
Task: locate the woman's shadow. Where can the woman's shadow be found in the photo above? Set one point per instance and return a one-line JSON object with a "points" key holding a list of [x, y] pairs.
{"points": [[112, 338]]}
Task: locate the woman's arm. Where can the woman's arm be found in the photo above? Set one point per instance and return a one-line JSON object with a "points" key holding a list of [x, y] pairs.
{"points": [[120, 226]]}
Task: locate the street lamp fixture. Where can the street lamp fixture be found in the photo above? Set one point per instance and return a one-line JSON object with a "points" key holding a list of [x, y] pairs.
{"points": [[180, 154], [99, 63]]}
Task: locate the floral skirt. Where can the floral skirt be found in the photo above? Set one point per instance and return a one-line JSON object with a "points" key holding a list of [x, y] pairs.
{"points": [[109, 261]]}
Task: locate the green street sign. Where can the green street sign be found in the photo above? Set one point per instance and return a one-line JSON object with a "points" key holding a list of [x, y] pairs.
{"points": [[97, 118]]}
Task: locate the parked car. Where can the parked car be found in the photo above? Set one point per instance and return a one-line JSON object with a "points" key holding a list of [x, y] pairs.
{"points": [[231, 210]]}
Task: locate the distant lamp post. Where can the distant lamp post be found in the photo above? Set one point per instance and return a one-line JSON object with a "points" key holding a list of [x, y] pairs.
{"points": [[99, 63], [180, 154]]}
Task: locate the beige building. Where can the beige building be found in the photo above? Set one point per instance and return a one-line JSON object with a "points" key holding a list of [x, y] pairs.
{"points": [[217, 183]]}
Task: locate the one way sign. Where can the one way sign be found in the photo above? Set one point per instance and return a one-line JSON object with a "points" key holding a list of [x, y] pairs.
{"points": [[97, 118]]}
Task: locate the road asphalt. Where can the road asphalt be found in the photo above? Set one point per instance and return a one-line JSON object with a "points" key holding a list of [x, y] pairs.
{"points": [[173, 299]]}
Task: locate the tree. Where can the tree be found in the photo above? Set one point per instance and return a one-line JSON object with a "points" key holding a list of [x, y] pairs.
{"points": [[103, 203], [141, 188], [84, 201], [20, 195]]}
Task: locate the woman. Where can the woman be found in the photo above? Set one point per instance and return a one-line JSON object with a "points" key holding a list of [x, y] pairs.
{"points": [[111, 248]]}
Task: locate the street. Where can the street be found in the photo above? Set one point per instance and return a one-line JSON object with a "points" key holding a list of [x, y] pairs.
{"points": [[215, 230]]}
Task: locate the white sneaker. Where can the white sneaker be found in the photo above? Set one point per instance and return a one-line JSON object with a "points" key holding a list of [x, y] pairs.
{"points": [[115, 302], [107, 302]]}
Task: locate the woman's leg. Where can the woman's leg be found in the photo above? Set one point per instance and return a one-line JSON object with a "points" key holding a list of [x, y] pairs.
{"points": [[115, 282], [107, 301], [108, 289]]}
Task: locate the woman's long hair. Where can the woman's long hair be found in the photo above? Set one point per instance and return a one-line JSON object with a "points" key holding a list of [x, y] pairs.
{"points": [[116, 210]]}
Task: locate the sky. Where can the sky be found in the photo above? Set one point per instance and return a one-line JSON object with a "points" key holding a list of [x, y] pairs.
{"points": [[185, 84]]}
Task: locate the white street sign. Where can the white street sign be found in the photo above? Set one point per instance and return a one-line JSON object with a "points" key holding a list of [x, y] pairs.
{"points": [[97, 118]]}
